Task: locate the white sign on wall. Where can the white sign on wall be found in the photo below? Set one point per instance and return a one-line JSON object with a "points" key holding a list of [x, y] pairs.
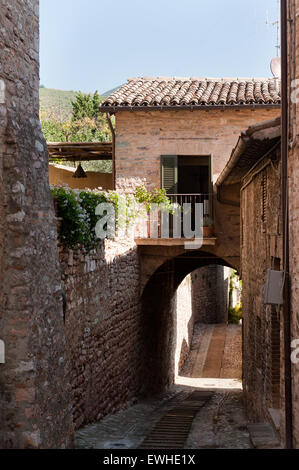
{"points": [[2, 352], [2, 91]]}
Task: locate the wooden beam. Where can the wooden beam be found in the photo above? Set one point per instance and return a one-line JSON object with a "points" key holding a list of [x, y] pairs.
{"points": [[85, 151]]}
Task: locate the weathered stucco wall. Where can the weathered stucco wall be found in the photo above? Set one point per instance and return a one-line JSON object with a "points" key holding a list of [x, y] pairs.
{"points": [[59, 175], [34, 396]]}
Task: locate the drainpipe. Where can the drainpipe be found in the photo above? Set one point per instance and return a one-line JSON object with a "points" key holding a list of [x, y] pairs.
{"points": [[113, 148], [285, 209]]}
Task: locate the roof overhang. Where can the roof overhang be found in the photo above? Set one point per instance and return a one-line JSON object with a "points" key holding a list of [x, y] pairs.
{"points": [[253, 144], [238, 107]]}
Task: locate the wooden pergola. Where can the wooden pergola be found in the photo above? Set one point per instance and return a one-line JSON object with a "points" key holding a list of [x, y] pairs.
{"points": [[80, 151]]}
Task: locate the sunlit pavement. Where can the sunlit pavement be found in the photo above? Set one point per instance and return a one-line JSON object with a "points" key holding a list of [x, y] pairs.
{"points": [[214, 358], [210, 384]]}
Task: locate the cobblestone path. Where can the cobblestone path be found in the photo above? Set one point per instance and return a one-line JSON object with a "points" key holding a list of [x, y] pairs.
{"points": [[214, 365]]}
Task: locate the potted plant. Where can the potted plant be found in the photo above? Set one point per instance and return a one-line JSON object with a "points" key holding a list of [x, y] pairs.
{"points": [[208, 227]]}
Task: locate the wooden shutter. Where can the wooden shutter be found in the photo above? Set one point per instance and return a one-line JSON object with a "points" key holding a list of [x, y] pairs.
{"points": [[169, 173]]}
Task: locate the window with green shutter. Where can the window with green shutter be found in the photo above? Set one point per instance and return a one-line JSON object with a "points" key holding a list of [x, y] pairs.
{"points": [[169, 173]]}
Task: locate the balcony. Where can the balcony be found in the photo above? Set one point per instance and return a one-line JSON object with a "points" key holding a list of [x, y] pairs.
{"points": [[169, 230]]}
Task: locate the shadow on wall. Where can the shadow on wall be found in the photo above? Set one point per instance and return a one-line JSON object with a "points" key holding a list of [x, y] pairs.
{"points": [[158, 331]]}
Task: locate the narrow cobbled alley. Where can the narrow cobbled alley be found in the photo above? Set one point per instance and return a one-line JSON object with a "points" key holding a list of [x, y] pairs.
{"points": [[204, 409]]}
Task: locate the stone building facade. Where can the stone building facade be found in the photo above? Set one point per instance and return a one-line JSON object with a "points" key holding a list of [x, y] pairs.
{"points": [[256, 164], [168, 130], [35, 404], [293, 171], [183, 117], [261, 249]]}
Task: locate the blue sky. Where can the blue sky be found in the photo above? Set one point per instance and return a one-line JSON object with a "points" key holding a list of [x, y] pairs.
{"points": [[93, 45]]}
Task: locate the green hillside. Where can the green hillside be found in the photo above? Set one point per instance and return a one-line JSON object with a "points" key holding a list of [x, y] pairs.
{"points": [[109, 92], [56, 102]]}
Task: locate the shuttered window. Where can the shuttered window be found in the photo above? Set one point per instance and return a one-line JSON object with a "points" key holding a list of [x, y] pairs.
{"points": [[169, 173]]}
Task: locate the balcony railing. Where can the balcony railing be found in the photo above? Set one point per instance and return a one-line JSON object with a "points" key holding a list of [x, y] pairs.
{"points": [[152, 227]]}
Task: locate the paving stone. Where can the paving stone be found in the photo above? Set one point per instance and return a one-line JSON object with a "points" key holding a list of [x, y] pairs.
{"points": [[219, 423]]}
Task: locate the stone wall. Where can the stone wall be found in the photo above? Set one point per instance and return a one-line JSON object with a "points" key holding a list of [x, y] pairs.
{"points": [[35, 405], [293, 44], [113, 338], [210, 289], [102, 327], [261, 249]]}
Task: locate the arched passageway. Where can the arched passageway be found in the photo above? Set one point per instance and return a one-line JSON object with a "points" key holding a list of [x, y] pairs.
{"points": [[164, 348]]}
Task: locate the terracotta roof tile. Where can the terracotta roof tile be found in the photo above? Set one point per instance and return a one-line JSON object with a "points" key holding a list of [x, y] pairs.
{"points": [[177, 91]]}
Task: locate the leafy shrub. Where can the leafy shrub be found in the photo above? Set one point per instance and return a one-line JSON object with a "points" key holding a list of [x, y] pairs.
{"points": [[235, 315], [158, 196], [77, 209]]}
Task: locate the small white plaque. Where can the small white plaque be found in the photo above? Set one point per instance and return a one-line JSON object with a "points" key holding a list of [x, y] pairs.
{"points": [[2, 91], [2, 352]]}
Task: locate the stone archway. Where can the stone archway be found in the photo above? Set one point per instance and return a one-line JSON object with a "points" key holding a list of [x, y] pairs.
{"points": [[158, 317]]}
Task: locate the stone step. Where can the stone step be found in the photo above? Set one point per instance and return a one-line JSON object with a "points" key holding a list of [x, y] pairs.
{"points": [[274, 415], [262, 436]]}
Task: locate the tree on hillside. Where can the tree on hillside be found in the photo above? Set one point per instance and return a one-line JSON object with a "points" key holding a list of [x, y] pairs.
{"points": [[88, 120], [86, 106], [86, 124]]}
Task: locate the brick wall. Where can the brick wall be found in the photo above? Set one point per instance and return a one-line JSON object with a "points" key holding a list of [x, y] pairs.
{"points": [[35, 408], [142, 137]]}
